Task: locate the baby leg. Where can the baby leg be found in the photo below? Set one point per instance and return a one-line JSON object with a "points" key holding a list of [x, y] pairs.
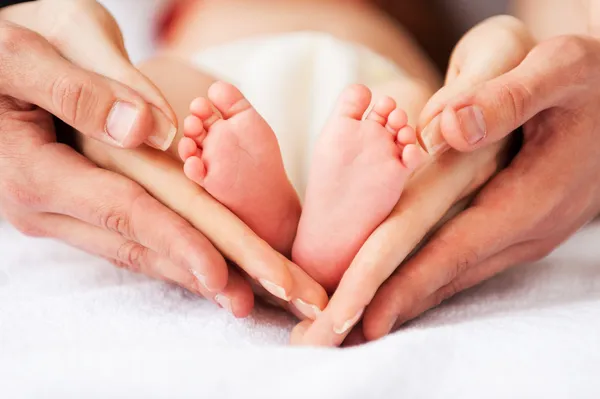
{"points": [[231, 152], [358, 173]]}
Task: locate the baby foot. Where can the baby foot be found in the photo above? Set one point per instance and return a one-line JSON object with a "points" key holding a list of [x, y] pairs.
{"points": [[358, 173], [235, 156]]}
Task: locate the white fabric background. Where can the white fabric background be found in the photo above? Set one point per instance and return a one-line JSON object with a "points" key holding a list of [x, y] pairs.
{"points": [[72, 326]]}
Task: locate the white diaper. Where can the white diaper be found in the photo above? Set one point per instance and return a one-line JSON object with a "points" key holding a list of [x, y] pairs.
{"points": [[293, 80]]}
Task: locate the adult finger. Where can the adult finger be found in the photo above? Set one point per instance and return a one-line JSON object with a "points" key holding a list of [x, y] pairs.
{"points": [[87, 35], [380, 320], [236, 297], [33, 71], [392, 307], [424, 203], [463, 244], [309, 298], [155, 172], [474, 62], [115, 203], [493, 109]]}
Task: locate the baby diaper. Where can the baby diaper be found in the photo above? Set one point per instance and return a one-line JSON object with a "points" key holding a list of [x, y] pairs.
{"points": [[293, 80]]}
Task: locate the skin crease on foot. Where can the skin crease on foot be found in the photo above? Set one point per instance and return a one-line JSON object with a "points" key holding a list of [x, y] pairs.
{"points": [[357, 176], [231, 151]]}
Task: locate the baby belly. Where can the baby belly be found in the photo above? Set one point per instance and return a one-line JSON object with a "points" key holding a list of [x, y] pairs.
{"points": [[203, 24]]}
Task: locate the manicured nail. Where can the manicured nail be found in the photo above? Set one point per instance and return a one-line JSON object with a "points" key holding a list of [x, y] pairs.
{"points": [[431, 137], [344, 328], [120, 121], [472, 124], [308, 310], [163, 132], [201, 279], [224, 302], [274, 289]]}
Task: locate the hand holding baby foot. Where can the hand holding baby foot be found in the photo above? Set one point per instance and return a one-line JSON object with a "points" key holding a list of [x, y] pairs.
{"points": [[357, 175], [433, 192], [231, 151]]}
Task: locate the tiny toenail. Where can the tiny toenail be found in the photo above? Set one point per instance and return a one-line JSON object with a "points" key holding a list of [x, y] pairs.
{"points": [[308, 310], [201, 279], [163, 131], [431, 138], [348, 324], [472, 123], [224, 301], [274, 289]]}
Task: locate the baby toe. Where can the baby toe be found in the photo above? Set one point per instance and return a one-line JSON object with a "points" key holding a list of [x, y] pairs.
{"points": [[204, 110], [381, 110], [406, 135], [193, 126], [412, 156], [194, 169], [228, 99], [354, 102], [187, 148], [397, 120]]}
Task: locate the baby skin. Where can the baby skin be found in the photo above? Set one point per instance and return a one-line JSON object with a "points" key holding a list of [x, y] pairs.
{"points": [[231, 151], [358, 172], [357, 175]]}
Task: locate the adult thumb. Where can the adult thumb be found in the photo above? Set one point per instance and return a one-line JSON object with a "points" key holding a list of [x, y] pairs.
{"points": [[495, 108], [86, 34]]}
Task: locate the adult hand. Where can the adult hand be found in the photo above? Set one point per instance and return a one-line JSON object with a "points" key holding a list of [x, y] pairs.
{"points": [[548, 192], [77, 69], [49, 190], [448, 180]]}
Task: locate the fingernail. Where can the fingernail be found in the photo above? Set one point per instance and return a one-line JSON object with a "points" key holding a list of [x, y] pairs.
{"points": [[431, 137], [472, 123], [164, 131], [224, 302], [274, 289], [202, 280], [308, 310], [120, 121], [344, 328]]}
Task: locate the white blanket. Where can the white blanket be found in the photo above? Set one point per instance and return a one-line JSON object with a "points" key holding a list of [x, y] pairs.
{"points": [[72, 326]]}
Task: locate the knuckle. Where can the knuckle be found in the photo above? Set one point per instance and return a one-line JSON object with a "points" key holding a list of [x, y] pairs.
{"points": [[132, 256], [21, 194], [463, 258], [118, 218], [75, 98], [116, 221], [464, 261], [514, 98]]}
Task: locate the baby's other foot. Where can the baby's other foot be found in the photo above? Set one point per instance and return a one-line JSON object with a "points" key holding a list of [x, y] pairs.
{"points": [[359, 170], [231, 151]]}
